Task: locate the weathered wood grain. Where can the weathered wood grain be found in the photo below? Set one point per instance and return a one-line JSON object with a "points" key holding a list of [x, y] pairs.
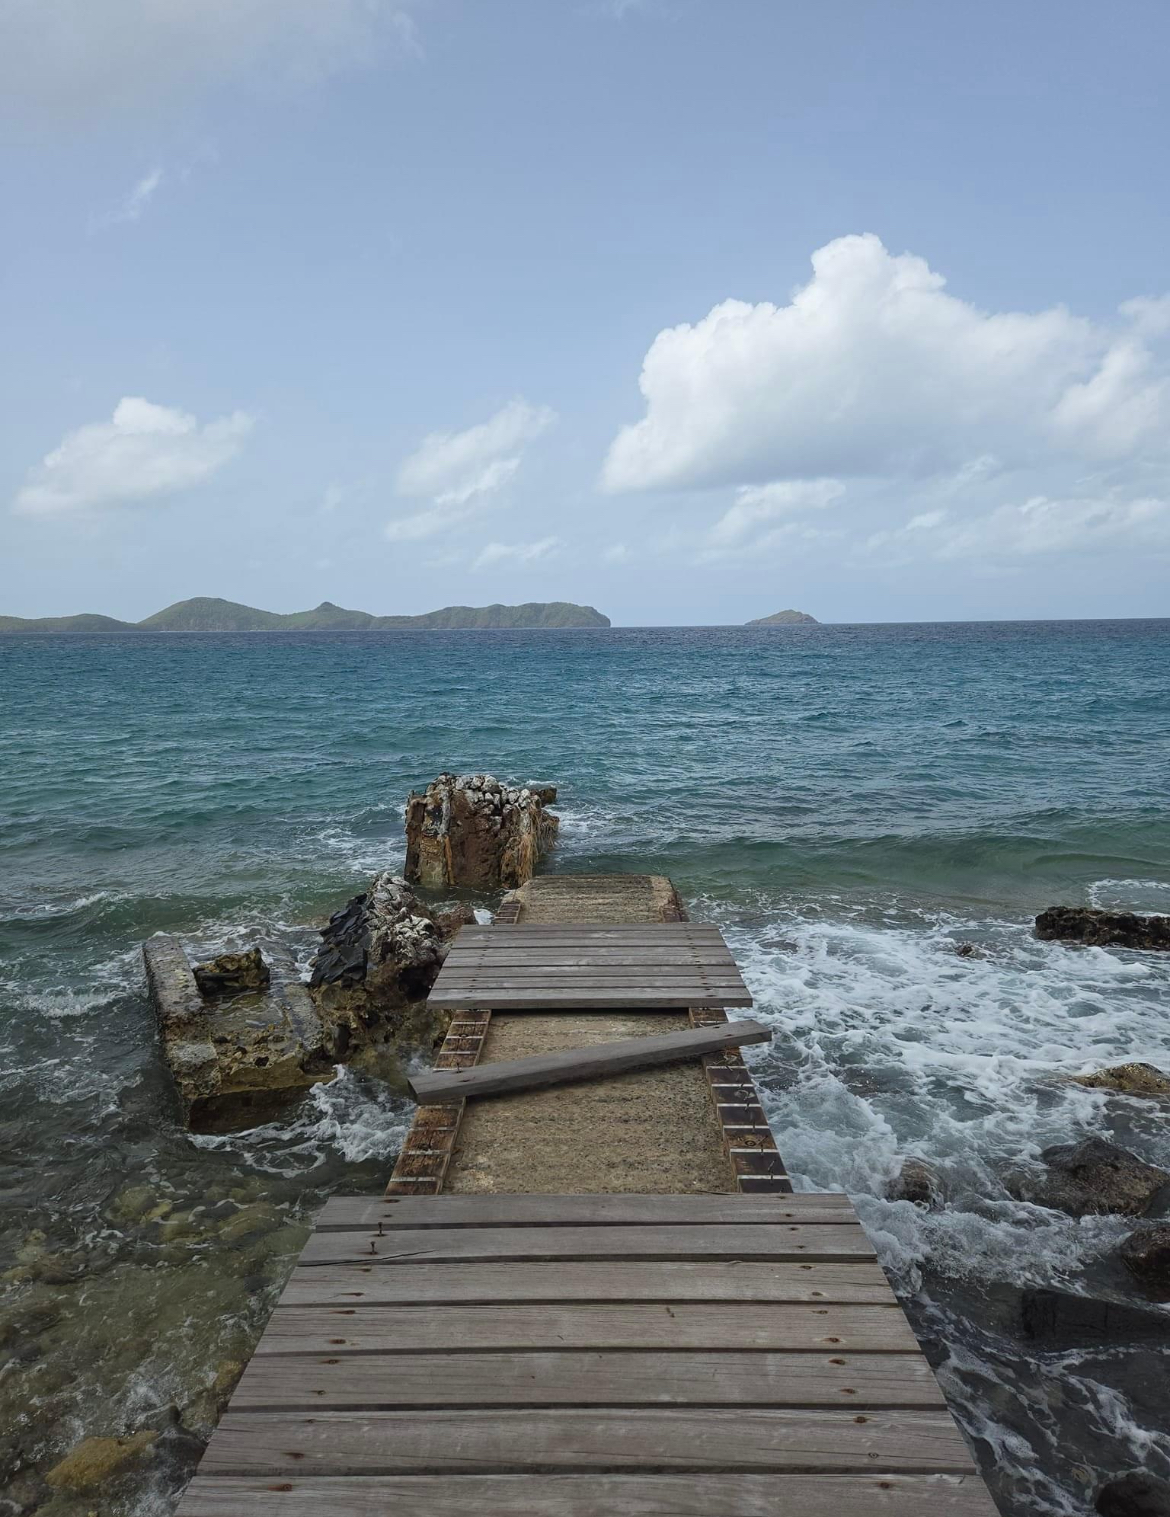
{"points": [[349, 1285], [339, 1379], [723, 1495], [436, 1245], [589, 1063], [796, 1328], [634, 1438], [347, 1213], [588, 998]]}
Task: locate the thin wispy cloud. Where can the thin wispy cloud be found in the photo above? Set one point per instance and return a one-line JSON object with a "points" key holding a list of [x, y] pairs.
{"points": [[517, 553], [133, 204], [460, 471]]}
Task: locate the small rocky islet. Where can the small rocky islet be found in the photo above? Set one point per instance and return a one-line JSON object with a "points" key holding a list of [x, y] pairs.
{"points": [[263, 1036]]}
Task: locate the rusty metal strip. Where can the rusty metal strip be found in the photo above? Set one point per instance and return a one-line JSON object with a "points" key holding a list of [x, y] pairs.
{"points": [[425, 1156]]}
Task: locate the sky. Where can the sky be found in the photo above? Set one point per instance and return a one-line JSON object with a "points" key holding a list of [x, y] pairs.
{"points": [[691, 310]]}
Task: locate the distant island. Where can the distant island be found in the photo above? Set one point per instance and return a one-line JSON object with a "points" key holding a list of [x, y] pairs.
{"points": [[785, 619], [209, 614]]}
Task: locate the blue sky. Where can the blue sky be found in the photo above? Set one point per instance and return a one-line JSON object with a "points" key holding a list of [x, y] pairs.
{"points": [[690, 309]]}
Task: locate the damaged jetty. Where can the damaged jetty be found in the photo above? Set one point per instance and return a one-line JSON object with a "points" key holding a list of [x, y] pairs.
{"points": [[588, 1287]]}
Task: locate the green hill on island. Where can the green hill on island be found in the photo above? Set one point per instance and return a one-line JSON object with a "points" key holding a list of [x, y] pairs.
{"points": [[210, 614], [785, 619]]}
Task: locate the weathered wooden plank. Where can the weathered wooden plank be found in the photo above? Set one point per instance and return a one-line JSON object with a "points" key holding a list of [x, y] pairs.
{"points": [[795, 1328], [595, 998], [347, 1213], [538, 973], [595, 1495], [340, 1379], [349, 1285], [571, 958], [678, 1438], [589, 1063], [435, 1245]]}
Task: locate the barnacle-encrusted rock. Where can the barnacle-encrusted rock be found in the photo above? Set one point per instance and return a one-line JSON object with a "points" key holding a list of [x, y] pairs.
{"points": [[378, 959], [471, 831]]}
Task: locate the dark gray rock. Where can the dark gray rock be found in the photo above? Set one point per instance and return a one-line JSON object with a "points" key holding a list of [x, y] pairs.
{"points": [[1134, 1495], [1062, 1319], [1088, 1179], [1102, 929], [1146, 1254]]}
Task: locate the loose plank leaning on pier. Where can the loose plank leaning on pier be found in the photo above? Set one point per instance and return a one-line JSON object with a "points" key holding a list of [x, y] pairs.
{"points": [[599, 1060]]}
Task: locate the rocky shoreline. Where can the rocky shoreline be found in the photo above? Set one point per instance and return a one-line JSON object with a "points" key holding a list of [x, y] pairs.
{"points": [[158, 1256]]}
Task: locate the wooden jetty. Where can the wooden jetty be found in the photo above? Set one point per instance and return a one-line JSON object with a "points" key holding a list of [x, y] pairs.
{"points": [[676, 1334]]}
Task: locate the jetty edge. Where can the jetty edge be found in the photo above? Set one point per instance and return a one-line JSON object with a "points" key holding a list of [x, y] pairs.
{"points": [[598, 1298]]}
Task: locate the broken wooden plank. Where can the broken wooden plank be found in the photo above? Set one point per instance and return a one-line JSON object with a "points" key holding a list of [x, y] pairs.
{"points": [[345, 1377], [363, 1213], [436, 1245], [598, 1061]]}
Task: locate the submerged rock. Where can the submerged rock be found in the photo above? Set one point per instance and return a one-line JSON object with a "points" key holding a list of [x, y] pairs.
{"points": [[1146, 1254], [916, 1181], [1063, 1319], [232, 974], [1102, 929], [1134, 1495], [1128, 1079], [96, 1460], [471, 831], [1090, 1178]]}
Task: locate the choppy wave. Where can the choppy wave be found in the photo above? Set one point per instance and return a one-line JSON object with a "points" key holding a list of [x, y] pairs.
{"points": [[850, 807]]}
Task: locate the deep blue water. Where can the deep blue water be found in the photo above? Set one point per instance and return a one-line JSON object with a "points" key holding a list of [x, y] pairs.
{"points": [[848, 802]]}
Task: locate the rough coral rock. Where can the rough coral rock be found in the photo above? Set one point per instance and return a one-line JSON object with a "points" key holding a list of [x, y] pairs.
{"points": [[232, 974], [471, 831], [1090, 1178], [234, 1060], [1128, 1080], [378, 959], [1102, 929]]}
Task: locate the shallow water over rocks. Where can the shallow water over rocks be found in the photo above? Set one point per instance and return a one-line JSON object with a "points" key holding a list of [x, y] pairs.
{"points": [[852, 805]]}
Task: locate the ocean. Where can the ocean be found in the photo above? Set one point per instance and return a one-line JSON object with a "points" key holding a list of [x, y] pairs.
{"points": [[849, 803]]}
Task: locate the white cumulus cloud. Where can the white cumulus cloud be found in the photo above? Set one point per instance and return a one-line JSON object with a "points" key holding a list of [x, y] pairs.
{"points": [[145, 452], [874, 369], [458, 471], [132, 205]]}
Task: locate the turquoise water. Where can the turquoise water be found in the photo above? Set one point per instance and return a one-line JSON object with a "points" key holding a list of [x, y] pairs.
{"points": [[849, 803]]}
